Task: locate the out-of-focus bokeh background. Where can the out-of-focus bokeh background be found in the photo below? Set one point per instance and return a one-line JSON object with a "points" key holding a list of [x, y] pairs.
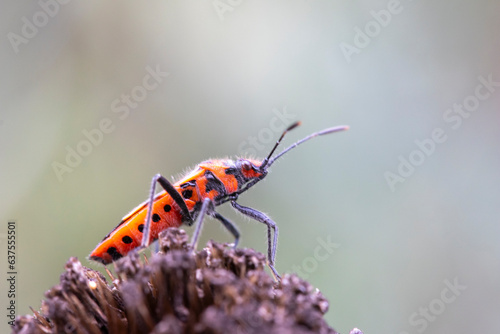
{"points": [[396, 221]]}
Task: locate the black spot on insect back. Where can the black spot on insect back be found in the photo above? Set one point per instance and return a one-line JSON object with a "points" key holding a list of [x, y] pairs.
{"points": [[213, 183], [237, 174], [140, 227], [127, 240], [115, 255], [187, 194], [167, 208], [156, 218]]}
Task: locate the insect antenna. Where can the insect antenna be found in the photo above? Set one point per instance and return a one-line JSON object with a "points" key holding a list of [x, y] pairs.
{"points": [[268, 161]]}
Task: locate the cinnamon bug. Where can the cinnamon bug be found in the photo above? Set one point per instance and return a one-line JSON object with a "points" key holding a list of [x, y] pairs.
{"points": [[189, 200]]}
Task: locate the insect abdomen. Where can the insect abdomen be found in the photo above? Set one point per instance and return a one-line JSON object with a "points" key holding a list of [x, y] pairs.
{"points": [[128, 234]]}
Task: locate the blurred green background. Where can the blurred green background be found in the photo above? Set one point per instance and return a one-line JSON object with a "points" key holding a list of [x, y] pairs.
{"points": [[391, 70]]}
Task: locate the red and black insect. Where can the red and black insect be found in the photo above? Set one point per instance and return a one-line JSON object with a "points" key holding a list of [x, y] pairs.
{"points": [[187, 201]]}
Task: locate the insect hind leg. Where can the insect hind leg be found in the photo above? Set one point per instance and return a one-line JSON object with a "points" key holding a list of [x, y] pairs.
{"points": [[229, 226], [271, 241], [170, 189], [207, 207]]}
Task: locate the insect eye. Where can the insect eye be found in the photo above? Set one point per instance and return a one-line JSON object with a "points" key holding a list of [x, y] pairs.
{"points": [[246, 165]]}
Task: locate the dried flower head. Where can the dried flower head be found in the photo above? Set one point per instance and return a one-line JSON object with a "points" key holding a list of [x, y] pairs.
{"points": [[216, 290]]}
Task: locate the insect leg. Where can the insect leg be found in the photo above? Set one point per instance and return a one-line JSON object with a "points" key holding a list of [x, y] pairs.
{"points": [[271, 242], [169, 188], [205, 207], [230, 226]]}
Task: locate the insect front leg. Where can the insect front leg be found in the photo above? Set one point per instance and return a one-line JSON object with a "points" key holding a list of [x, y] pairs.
{"points": [[271, 242], [170, 189]]}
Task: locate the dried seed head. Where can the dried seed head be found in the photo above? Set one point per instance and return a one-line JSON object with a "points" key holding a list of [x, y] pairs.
{"points": [[216, 290]]}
